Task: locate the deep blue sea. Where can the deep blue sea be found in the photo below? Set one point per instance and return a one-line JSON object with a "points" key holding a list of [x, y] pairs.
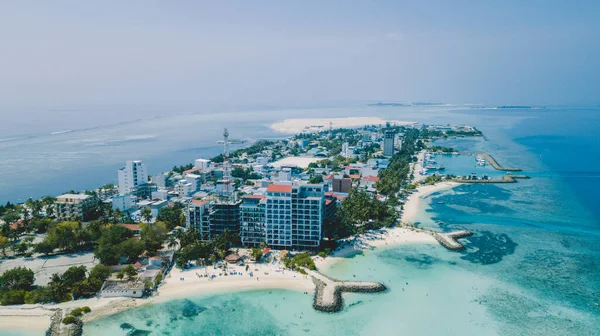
{"points": [[532, 267]]}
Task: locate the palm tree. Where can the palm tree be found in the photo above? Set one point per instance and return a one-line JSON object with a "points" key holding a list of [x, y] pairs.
{"points": [[48, 202], [58, 289], [146, 214], [117, 216], [172, 241]]}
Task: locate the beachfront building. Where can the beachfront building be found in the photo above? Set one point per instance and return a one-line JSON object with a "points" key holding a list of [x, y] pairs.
{"points": [[131, 176], [252, 220], [388, 142], [197, 217], [224, 215], [294, 216], [117, 288], [74, 206]]}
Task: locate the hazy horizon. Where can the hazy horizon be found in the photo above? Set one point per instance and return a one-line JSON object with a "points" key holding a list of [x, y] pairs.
{"points": [[148, 53]]}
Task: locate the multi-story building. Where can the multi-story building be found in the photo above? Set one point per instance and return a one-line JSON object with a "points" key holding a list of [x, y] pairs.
{"points": [[122, 202], [294, 216], [183, 188], [252, 220], [203, 164], [74, 206], [131, 176], [195, 180], [160, 180], [224, 215], [388, 142], [341, 184], [197, 217]]}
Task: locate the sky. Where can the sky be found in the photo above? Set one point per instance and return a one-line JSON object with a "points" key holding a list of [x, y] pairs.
{"points": [[62, 53]]}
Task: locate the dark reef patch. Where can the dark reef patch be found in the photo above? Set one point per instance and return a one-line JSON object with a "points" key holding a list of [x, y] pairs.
{"points": [[487, 248]]}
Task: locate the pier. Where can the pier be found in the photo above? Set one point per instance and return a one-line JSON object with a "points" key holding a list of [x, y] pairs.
{"points": [[504, 179], [492, 161], [449, 240], [328, 292]]}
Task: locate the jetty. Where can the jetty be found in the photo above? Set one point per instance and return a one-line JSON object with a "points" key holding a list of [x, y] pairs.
{"points": [[504, 179], [449, 240], [328, 292], [492, 161]]}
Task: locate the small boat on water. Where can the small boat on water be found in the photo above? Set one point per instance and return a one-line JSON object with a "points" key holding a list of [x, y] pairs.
{"points": [[440, 202]]}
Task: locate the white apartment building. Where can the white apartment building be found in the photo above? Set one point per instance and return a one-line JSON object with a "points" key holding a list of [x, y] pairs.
{"points": [[131, 176], [183, 188], [160, 180], [203, 164], [195, 180], [294, 216], [122, 202], [285, 175], [198, 217]]}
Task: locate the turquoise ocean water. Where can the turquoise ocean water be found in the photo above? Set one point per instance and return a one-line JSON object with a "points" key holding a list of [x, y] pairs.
{"points": [[532, 267]]}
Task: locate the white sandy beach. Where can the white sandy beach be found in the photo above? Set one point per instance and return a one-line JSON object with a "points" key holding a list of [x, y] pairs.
{"points": [[319, 124], [266, 276], [392, 236], [35, 318]]}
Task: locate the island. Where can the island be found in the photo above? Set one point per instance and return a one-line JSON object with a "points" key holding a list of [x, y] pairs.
{"points": [[273, 214]]}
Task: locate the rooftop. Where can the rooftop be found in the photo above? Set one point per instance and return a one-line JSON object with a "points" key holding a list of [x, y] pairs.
{"points": [[74, 196], [132, 227], [191, 170], [281, 188], [370, 178], [115, 285], [198, 202], [254, 196]]}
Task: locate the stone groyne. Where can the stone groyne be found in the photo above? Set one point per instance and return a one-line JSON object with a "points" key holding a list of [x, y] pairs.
{"points": [[328, 292], [449, 240], [55, 320]]}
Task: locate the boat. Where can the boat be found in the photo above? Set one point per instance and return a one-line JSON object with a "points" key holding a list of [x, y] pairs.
{"points": [[440, 202]]}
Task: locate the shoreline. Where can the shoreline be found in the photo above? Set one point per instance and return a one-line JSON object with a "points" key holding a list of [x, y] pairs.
{"points": [[299, 125], [390, 236], [192, 285]]}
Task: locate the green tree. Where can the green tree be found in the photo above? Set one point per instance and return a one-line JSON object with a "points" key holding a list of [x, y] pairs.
{"points": [[316, 179], [17, 278], [256, 254], [12, 297], [146, 214], [4, 243], [45, 247], [132, 249], [108, 249], [58, 290], [130, 272], [153, 236], [171, 216], [74, 275], [40, 225]]}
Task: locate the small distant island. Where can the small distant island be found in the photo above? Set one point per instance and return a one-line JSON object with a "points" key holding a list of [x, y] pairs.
{"points": [[381, 104]]}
